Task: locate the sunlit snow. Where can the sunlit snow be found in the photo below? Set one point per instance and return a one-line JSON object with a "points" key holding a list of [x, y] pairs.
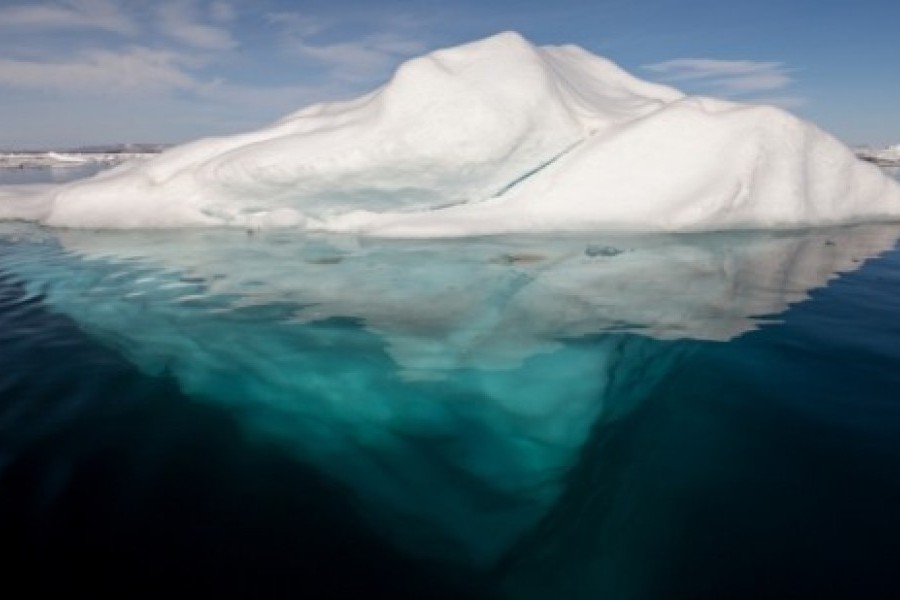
{"points": [[494, 136]]}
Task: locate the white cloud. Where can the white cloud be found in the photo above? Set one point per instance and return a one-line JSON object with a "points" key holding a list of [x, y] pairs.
{"points": [[700, 68], [179, 20], [171, 69], [725, 77], [147, 75], [100, 72], [104, 15], [363, 58], [782, 101]]}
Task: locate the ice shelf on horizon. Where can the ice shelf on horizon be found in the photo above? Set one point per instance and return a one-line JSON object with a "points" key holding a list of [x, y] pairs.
{"points": [[884, 157], [54, 160]]}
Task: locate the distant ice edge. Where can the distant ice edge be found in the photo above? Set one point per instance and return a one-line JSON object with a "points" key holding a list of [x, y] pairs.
{"points": [[494, 136]]}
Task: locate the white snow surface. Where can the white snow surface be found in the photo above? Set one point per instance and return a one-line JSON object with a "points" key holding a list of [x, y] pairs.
{"points": [[495, 136]]}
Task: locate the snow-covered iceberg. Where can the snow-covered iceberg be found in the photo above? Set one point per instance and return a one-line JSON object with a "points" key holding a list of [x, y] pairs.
{"points": [[489, 137]]}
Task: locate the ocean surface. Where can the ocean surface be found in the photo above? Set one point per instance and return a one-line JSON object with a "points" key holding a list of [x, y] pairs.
{"points": [[276, 414]]}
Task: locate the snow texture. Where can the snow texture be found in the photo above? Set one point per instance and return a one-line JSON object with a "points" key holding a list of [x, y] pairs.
{"points": [[494, 136]]}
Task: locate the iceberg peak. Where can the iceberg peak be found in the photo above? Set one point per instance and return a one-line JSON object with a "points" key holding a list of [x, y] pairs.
{"points": [[494, 136]]}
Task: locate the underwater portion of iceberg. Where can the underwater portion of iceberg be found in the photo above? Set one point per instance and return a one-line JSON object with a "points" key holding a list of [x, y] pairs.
{"points": [[450, 385], [490, 137]]}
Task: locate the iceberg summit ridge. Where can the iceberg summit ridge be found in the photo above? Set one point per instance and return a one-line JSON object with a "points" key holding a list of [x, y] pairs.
{"points": [[493, 136]]}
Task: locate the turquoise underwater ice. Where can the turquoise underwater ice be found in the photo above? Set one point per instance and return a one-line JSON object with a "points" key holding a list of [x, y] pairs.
{"points": [[450, 385]]}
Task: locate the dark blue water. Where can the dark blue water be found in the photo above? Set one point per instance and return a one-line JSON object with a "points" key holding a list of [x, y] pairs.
{"points": [[765, 467], [268, 415], [113, 481]]}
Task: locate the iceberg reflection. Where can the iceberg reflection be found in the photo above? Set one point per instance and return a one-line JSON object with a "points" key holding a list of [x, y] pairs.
{"points": [[492, 302]]}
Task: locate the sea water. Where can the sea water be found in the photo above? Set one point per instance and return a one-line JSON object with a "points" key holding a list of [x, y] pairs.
{"points": [[276, 413]]}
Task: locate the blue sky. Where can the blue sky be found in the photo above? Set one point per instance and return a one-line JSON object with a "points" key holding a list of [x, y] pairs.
{"points": [[76, 72]]}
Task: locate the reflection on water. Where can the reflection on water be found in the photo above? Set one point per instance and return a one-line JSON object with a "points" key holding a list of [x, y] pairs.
{"points": [[452, 385], [763, 468], [442, 305]]}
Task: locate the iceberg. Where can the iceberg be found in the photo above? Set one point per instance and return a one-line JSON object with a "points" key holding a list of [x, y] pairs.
{"points": [[494, 136]]}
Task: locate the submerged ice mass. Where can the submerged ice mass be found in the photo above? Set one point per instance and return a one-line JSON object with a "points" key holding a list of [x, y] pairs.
{"points": [[490, 137], [450, 384]]}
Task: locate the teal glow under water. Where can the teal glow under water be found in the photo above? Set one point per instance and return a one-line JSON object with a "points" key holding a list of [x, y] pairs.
{"points": [[700, 416]]}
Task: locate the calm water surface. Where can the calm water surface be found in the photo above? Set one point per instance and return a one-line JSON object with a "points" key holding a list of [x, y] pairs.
{"points": [[276, 414]]}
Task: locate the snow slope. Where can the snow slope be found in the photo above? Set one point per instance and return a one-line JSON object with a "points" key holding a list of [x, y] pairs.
{"points": [[490, 137]]}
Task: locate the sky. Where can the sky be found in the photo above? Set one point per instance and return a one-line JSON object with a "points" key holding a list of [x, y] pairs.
{"points": [[86, 72]]}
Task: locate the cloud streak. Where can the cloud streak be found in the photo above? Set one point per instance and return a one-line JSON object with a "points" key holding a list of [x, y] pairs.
{"points": [[360, 59], [181, 21], [176, 60], [142, 74], [104, 15], [363, 58], [100, 72], [725, 77]]}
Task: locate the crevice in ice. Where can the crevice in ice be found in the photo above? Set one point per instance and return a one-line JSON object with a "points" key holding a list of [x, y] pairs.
{"points": [[537, 169]]}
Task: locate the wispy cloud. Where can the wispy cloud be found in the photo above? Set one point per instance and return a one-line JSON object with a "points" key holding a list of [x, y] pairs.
{"points": [[782, 101], [294, 24], [183, 59], [139, 73], [105, 15], [182, 20], [222, 12], [362, 58], [100, 72], [174, 59], [730, 77]]}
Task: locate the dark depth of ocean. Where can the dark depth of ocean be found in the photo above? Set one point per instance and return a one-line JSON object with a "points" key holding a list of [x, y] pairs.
{"points": [[270, 414]]}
